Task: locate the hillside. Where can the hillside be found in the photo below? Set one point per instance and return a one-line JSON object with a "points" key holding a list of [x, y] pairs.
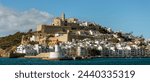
{"points": [[11, 40]]}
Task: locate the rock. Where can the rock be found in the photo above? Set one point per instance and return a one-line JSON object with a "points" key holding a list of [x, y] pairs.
{"points": [[9, 52], [2, 52]]}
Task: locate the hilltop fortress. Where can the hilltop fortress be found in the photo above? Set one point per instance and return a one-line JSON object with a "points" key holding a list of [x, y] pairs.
{"points": [[69, 37], [66, 29], [59, 29]]}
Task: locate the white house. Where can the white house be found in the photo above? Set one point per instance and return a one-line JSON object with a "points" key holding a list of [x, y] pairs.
{"points": [[26, 49], [33, 38], [38, 48]]}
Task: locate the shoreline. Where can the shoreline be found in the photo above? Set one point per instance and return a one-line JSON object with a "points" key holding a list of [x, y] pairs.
{"points": [[95, 61], [70, 58]]}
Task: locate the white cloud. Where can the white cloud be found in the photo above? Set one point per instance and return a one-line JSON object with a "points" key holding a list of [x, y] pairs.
{"points": [[12, 21]]}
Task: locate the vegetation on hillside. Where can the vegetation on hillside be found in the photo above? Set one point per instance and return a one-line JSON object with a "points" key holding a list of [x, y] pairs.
{"points": [[11, 40]]}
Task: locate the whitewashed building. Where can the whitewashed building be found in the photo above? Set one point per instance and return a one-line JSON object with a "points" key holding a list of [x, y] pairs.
{"points": [[57, 53], [33, 38], [26, 49]]}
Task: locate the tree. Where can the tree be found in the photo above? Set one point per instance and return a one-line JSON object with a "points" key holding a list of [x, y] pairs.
{"points": [[30, 31]]}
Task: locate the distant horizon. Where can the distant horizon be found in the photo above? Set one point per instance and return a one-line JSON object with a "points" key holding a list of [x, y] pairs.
{"points": [[126, 16]]}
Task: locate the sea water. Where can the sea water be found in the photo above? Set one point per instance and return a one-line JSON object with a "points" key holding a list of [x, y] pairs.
{"points": [[94, 61]]}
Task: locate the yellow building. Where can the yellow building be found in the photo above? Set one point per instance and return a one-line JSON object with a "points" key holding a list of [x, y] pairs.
{"points": [[60, 21], [60, 25], [49, 29]]}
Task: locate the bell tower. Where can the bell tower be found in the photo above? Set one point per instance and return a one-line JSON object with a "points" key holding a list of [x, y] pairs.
{"points": [[63, 16]]}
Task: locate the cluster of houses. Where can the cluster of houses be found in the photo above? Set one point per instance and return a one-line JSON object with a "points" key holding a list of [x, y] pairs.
{"points": [[88, 47], [104, 49], [66, 37]]}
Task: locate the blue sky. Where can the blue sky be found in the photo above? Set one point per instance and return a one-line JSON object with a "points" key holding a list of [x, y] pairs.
{"points": [[125, 15]]}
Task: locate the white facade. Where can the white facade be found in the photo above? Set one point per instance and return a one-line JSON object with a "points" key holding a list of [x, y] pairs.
{"points": [[57, 54], [85, 23], [26, 49], [33, 38], [31, 49], [38, 48]]}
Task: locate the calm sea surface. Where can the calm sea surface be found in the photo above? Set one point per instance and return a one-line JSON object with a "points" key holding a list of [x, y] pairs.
{"points": [[95, 61]]}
